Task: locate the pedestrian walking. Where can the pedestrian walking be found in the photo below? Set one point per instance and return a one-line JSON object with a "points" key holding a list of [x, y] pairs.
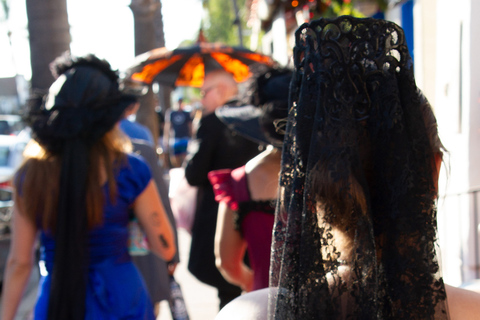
{"points": [[76, 188], [214, 146]]}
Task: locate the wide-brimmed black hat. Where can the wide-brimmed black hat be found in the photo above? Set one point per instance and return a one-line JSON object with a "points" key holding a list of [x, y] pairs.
{"points": [[244, 120], [260, 120]]}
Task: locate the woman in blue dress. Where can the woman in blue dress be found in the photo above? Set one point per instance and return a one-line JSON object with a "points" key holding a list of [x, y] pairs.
{"points": [[76, 188]]}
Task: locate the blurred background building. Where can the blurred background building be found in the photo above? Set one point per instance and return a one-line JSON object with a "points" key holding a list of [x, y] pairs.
{"points": [[13, 94]]}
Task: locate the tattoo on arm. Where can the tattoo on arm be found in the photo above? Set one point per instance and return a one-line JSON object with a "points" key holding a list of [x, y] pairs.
{"points": [[155, 217], [163, 241]]}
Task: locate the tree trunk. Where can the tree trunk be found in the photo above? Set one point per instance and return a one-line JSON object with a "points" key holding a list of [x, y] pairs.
{"points": [[164, 91], [148, 24], [49, 36]]}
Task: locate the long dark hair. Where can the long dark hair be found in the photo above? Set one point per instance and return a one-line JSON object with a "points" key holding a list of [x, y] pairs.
{"points": [[37, 179], [70, 124]]}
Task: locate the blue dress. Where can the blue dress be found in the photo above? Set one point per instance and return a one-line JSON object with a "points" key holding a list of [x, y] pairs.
{"points": [[115, 288]]}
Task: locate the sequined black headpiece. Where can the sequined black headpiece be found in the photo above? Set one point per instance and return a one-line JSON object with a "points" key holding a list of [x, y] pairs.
{"points": [[83, 103]]}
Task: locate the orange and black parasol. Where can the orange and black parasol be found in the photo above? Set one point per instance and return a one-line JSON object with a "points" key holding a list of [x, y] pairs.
{"points": [[186, 66]]}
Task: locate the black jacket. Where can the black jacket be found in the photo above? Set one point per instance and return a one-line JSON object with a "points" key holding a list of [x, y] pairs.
{"points": [[214, 147]]}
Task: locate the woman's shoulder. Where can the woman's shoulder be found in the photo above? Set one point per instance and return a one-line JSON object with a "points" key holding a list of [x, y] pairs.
{"points": [[135, 171], [137, 162], [462, 304], [135, 158], [252, 306], [262, 174]]}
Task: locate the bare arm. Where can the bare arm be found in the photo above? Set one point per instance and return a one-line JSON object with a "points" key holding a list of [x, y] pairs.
{"points": [[152, 217], [252, 306], [19, 262], [230, 250], [462, 304]]}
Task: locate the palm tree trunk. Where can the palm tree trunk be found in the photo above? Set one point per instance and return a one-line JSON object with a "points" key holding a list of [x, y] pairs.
{"points": [[49, 36], [165, 91], [148, 24]]}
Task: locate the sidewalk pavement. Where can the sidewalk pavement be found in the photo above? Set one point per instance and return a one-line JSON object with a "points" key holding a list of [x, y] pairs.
{"points": [[201, 300]]}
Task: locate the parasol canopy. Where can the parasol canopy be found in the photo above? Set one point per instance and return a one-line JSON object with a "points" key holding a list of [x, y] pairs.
{"points": [[186, 66]]}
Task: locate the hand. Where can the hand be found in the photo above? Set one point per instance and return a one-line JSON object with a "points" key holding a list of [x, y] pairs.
{"points": [[247, 287], [247, 284]]}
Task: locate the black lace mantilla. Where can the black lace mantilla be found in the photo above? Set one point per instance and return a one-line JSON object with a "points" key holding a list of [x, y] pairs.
{"points": [[355, 230]]}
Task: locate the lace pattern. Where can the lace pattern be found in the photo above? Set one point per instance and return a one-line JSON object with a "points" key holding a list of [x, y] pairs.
{"points": [[355, 231]]}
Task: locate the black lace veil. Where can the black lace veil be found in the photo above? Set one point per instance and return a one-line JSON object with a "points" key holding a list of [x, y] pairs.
{"points": [[355, 232]]}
